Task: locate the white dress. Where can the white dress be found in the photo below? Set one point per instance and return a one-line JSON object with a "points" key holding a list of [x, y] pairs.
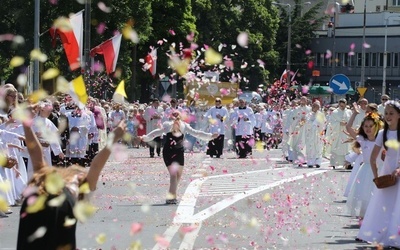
{"points": [[356, 160], [314, 128], [361, 189], [382, 218], [17, 184]]}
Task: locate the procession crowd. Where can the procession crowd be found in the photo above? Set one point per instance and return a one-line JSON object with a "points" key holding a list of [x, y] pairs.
{"points": [[360, 136]]}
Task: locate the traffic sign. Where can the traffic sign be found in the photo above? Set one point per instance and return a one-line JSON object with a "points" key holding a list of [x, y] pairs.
{"points": [[361, 91], [339, 84]]}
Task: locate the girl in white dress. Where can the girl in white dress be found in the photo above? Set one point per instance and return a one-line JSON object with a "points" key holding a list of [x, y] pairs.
{"points": [[382, 218], [354, 158], [362, 186]]}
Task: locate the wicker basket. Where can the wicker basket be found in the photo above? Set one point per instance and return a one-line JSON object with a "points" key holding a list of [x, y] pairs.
{"points": [[385, 181]]}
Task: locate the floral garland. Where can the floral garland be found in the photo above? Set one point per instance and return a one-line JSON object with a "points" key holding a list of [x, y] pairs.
{"points": [[393, 103]]}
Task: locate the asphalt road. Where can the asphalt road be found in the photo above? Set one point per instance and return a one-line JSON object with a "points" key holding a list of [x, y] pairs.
{"points": [[261, 202]]}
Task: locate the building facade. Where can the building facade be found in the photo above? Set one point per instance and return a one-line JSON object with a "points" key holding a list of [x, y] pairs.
{"points": [[341, 46]]}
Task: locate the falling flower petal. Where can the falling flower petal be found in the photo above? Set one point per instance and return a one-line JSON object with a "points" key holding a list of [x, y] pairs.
{"points": [[63, 24], [3, 204], [35, 204], [101, 28], [328, 54], [84, 188], [130, 34], [54, 183], [39, 233], [163, 242], [38, 55], [172, 32], [267, 197], [62, 85], [58, 201], [136, 228], [38, 95], [5, 185], [366, 45], [83, 210], [243, 39], [50, 74], [17, 61], [22, 79], [188, 229], [181, 66], [308, 52], [212, 57], [393, 144], [102, 6], [69, 222], [352, 46], [101, 238]]}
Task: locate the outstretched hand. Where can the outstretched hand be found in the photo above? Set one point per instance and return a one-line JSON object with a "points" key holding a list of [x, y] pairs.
{"points": [[356, 108]]}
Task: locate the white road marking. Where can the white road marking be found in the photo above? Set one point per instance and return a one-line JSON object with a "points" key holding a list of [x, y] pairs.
{"points": [[168, 235], [185, 211], [190, 238]]}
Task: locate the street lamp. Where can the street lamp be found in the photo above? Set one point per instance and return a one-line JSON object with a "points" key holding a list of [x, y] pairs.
{"points": [[385, 55], [289, 45]]}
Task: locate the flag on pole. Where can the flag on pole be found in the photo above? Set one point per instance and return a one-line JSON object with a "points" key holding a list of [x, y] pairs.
{"points": [[110, 50], [120, 93], [294, 75], [151, 60], [284, 75], [71, 35], [77, 90]]}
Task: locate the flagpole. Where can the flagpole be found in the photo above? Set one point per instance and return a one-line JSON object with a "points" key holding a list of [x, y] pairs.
{"points": [[86, 61], [36, 37]]}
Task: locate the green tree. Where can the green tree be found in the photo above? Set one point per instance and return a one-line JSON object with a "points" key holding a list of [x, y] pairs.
{"points": [[303, 25], [220, 22]]}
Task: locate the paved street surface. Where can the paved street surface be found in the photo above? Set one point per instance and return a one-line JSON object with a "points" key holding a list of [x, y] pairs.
{"points": [[258, 203]]}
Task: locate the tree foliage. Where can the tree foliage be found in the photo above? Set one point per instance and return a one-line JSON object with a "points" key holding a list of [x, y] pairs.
{"points": [[165, 24], [304, 23]]}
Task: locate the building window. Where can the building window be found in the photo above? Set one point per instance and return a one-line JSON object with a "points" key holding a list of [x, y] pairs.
{"points": [[326, 60], [389, 59], [367, 59], [338, 58], [380, 61], [317, 59], [359, 59], [396, 2], [395, 60], [321, 59], [352, 59], [373, 59], [346, 60]]}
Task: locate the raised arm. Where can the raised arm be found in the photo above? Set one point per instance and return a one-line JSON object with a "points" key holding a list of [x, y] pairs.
{"points": [[199, 134], [101, 158], [349, 125]]}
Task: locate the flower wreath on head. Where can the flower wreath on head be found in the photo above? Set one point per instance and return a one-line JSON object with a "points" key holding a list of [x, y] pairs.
{"points": [[378, 122], [393, 103]]}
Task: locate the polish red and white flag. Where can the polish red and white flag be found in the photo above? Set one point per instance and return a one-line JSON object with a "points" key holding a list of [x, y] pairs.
{"points": [[71, 35], [110, 51], [151, 61]]}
